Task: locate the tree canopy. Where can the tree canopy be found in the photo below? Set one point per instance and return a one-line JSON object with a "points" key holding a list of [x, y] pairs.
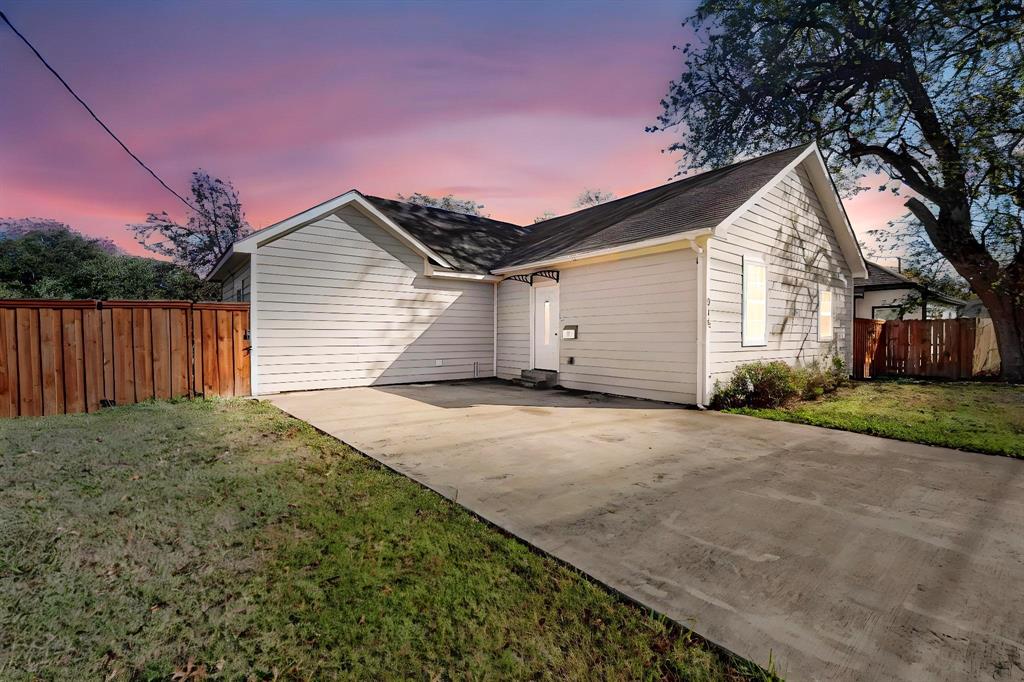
{"points": [[928, 93], [53, 261], [216, 222], [448, 202]]}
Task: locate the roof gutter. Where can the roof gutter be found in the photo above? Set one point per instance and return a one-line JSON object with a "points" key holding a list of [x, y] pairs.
{"points": [[920, 288], [687, 236], [220, 264], [430, 271]]}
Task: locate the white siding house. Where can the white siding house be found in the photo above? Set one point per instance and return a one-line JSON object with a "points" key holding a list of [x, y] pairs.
{"points": [[637, 321], [514, 316], [343, 303], [235, 286], [656, 295], [788, 230], [889, 295]]}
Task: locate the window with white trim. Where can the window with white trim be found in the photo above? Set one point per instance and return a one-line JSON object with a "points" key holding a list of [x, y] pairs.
{"points": [[824, 314], [755, 301]]}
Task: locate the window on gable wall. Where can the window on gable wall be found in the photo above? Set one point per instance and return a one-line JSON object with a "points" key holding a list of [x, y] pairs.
{"points": [[824, 314], [755, 301]]}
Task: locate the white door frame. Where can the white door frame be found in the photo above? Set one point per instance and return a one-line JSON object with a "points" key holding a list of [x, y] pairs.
{"points": [[533, 323]]}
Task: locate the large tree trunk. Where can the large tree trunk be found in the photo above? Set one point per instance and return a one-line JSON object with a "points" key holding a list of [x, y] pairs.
{"points": [[1008, 320], [1000, 288]]}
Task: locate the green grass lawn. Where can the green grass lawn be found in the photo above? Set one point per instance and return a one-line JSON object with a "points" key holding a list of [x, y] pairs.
{"points": [[979, 417], [225, 540]]}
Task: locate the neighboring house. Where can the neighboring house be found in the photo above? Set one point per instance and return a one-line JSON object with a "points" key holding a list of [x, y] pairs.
{"points": [[655, 295], [974, 309], [889, 295]]}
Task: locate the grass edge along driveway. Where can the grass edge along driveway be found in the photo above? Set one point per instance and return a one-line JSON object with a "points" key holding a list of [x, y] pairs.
{"points": [[226, 540], [974, 416]]}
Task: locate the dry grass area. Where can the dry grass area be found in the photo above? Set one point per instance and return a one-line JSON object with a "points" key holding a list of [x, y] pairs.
{"points": [[225, 540]]}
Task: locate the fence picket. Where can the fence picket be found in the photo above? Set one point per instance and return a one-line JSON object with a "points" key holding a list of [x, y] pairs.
{"points": [[160, 334], [180, 356], [94, 368], [8, 365], [74, 360], [30, 380]]}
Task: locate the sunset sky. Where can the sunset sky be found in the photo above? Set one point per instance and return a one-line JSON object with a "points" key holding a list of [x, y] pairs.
{"points": [[516, 105]]}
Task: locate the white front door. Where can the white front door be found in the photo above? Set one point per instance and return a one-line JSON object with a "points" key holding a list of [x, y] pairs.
{"points": [[545, 327]]}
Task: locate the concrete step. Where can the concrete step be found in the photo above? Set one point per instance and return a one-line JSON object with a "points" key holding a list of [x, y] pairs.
{"points": [[538, 378], [540, 375]]}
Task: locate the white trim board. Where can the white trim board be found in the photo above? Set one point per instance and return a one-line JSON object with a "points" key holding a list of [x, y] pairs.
{"points": [[254, 334], [703, 321], [353, 198], [430, 271], [688, 236], [830, 202]]}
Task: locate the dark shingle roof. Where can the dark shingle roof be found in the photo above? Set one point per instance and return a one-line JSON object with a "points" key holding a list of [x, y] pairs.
{"points": [[470, 243], [476, 244], [700, 201], [882, 276], [974, 308]]}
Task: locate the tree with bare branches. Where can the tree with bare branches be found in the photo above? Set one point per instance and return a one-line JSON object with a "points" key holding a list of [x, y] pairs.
{"points": [[592, 197], [215, 222], [447, 202]]}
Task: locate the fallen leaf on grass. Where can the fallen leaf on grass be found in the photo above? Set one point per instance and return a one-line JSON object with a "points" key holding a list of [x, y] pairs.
{"points": [[190, 673]]}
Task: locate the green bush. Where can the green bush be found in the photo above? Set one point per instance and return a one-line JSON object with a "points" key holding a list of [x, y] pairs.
{"points": [[756, 384], [773, 384], [839, 374]]}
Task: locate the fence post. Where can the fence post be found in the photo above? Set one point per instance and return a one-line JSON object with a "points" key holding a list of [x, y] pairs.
{"points": [[880, 349]]}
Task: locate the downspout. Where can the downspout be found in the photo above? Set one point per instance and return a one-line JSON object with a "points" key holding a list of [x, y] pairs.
{"points": [[702, 254], [494, 352], [254, 377]]}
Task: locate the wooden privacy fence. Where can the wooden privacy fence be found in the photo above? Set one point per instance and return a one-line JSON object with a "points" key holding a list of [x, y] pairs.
{"points": [[61, 357], [914, 348]]}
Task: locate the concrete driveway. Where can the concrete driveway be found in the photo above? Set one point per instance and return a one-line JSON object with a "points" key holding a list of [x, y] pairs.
{"points": [[844, 556]]}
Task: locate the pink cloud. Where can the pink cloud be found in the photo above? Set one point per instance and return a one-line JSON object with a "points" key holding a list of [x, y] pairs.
{"points": [[295, 103]]}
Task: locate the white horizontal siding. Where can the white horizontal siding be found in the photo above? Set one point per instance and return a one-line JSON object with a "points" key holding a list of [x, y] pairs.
{"points": [[637, 321], [513, 328], [789, 229], [900, 297], [237, 281], [343, 303]]}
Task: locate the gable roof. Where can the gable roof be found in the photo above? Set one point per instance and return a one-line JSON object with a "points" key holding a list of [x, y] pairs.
{"points": [[699, 201], [881, 278], [458, 242]]}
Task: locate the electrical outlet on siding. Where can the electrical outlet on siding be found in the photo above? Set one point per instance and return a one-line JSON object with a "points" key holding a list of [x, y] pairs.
{"points": [[438, 363]]}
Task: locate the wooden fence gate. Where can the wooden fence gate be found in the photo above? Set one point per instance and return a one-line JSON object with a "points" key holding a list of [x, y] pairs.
{"points": [[60, 357], [914, 348]]}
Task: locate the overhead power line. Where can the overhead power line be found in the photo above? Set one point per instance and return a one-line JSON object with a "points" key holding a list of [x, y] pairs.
{"points": [[95, 117]]}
